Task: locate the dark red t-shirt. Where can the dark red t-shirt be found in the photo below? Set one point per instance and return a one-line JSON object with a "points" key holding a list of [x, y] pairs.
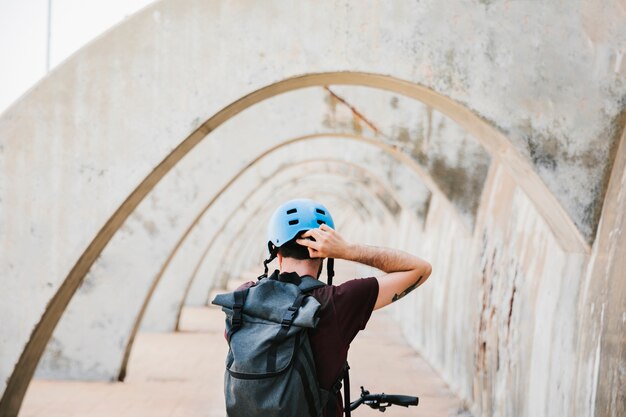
{"points": [[345, 310]]}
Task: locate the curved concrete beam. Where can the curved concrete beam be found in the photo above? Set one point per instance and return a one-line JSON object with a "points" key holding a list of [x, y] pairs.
{"points": [[494, 141], [391, 151], [145, 240], [602, 303], [106, 327], [152, 55]]}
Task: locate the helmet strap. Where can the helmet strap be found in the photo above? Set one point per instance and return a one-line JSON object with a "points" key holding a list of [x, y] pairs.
{"points": [[330, 270], [273, 253]]}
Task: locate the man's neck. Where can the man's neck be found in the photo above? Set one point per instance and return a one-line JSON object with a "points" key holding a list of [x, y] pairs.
{"points": [[300, 267]]}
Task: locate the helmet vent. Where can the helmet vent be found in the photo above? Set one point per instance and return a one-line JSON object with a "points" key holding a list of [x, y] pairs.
{"points": [[321, 222], [292, 222], [320, 211], [291, 211]]}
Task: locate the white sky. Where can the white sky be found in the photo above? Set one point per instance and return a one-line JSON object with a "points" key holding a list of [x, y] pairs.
{"points": [[24, 36]]}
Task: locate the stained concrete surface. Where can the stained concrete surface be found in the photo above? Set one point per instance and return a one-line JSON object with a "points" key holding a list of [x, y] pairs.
{"points": [[539, 327], [180, 374]]}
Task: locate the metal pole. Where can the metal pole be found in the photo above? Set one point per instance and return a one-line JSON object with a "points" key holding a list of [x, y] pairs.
{"points": [[48, 36]]}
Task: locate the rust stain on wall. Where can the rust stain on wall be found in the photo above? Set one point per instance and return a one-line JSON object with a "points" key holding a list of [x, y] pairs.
{"points": [[358, 118]]}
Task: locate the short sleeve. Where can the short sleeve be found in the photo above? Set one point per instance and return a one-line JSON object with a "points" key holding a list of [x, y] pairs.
{"points": [[354, 302], [245, 285]]}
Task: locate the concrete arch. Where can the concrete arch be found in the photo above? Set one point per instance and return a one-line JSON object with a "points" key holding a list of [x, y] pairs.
{"points": [[77, 347], [494, 141], [66, 356], [394, 153], [417, 59]]}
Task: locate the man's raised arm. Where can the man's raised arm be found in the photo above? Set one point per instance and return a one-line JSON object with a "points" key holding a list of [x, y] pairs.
{"points": [[404, 272]]}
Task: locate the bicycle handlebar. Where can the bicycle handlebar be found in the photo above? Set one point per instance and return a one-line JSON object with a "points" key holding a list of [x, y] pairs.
{"points": [[382, 401]]}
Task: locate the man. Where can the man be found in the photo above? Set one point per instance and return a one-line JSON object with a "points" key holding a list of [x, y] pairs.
{"points": [[301, 235]]}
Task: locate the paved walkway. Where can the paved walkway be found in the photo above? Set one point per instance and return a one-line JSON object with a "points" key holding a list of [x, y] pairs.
{"points": [[180, 374]]}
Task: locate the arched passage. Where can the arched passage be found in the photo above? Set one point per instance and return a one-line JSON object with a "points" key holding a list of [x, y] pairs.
{"points": [[496, 143], [315, 148], [416, 59], [367, 142], [114, 258]]}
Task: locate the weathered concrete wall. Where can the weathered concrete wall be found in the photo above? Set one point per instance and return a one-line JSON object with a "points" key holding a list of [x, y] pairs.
{"points": [[454, 159], [602, 343], [549, 76], [150, 235], [496, 321]]}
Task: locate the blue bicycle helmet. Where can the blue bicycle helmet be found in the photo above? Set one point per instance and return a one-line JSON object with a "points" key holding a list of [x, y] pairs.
{"points": [[296, 216], [291, 218]]}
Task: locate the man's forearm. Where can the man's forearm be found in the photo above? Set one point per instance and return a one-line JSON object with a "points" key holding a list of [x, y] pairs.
{"points": [[386, 259]]}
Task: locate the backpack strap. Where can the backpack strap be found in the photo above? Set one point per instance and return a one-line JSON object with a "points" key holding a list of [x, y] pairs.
{"points": [[306, 284], [309, 284], [285, 324], [346, 390], [331, 405], [330, 270], [237, 319]]}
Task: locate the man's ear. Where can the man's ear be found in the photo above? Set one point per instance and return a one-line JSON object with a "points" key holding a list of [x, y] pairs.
{"points": [[280, 260]]}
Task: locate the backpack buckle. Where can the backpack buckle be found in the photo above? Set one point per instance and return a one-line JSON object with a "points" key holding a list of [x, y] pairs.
{"points": [[236, 320], [289, 316]]}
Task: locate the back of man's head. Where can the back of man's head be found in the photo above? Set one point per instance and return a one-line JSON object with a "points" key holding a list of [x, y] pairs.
{"points": [[287, 223], [294, 250]]}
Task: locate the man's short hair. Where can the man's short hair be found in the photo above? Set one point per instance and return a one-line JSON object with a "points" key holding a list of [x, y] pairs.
{"points": [[293, 249]]}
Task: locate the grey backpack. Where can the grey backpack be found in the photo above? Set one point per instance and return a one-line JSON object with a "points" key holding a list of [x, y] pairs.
{"points": [[270, 370]]}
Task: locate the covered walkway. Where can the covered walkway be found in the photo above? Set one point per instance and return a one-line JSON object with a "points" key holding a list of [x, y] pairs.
{"points": [[180, 374], [486, 137]]}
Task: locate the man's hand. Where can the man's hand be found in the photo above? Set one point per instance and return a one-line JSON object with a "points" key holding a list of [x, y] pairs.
{"points": [[327, 244]]}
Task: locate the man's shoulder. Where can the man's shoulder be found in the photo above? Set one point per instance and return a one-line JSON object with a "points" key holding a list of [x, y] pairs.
{"points": [[358, 284], [347, 288], [246, 285]]}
